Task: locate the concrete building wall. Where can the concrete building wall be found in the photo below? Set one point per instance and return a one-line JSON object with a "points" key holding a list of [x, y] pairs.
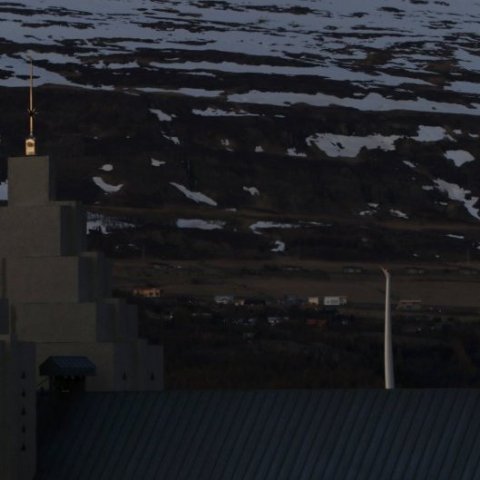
{"points": [[64, 322], [75, 232], [60, 294], [4, 318], [47, 279], [7, 438], [17, 410], [125, 373], [30, 181], [124, 318], [59, 306], [43, 230], [149, 366], [27, 410], [132, 321], [98, 274], [155, 372]]}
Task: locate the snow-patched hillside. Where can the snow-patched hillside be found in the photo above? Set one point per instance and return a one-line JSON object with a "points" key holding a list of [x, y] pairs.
{"points": [[400, 44], [303, 110]]}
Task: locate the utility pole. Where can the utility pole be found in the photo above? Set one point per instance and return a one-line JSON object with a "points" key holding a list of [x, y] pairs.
{"points": [[388, 348]]}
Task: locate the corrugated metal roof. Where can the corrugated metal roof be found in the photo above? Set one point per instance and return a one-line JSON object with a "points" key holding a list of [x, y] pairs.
{"points": [[67, 365], [267, 435]]}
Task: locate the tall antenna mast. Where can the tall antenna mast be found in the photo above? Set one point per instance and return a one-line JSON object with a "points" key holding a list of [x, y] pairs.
{"points": [[30, 147], [388, 349]]}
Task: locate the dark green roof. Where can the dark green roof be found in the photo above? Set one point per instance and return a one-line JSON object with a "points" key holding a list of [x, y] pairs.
{"points": [[266, 435], [67, 366]]}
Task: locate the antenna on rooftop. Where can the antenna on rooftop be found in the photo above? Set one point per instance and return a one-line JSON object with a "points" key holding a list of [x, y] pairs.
{"points": [[388, 349], [30, 148]]}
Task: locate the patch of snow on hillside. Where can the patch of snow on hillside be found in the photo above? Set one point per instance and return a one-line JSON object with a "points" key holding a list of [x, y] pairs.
{"points": [[106, 187], [258, 149], [263, 29], [279, 246], [4, 190], [459, 194], [463, 87], [333, 71], [162, 116], [187, 91], [452, 235], [175, 140], [195, 196], [264, 225], [18, 70], [226, 143], [371, 211], [349, 145], [108, 167], [156, 163], [409, 164], [459, 157], [293, 152], [253, 191], [316, 224], [371, 102], [398, 214], [217, 112], [116, 66], [364, 213], [105, 224], [200, 224], [431, 134]]}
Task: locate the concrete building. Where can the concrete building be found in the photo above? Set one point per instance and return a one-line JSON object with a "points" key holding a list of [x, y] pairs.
{"points": [[57, 317], [59, 294]]}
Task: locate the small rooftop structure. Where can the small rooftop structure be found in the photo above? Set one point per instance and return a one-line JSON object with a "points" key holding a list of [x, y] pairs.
{"points": [[334, 301], [224, 299], [67, 366]]}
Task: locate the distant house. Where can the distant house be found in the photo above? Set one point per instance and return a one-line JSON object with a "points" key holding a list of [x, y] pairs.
{"points": [[352, 269], [274, 320], [147, 292], [292, 300], [334, 301], [409, 305], [313, 301], [224, 299]]}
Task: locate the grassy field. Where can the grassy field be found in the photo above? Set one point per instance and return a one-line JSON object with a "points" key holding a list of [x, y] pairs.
{"points": [[212, 346], [440, 285]]}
